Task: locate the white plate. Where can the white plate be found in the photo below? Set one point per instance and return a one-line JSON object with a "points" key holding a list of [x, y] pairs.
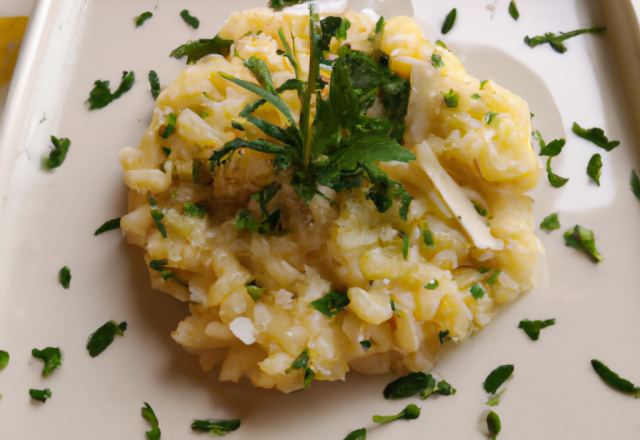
{"points": [[48, 220]]}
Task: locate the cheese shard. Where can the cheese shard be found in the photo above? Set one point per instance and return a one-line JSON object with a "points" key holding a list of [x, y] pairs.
{"points": [[243, 329], [456, 200]]}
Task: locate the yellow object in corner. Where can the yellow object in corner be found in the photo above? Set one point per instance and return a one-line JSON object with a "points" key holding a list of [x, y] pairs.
{"points": [[11, 32]]}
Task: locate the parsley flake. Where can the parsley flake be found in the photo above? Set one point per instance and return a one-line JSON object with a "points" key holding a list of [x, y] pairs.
{"points": [[427, 236], [154, 81], [194, 50], [411, 412], [495, 400], [483, 83], [433, 285], [635, 184], [406, 243], [489, 116], [237, 126], [103, 337], [475, 96], [443, 336], [157, 215], [331, 304], [555, 180], [483, 269], [254, 291], [582, 239], [532, 328], [195, 171], [595, 135], [493, 425], [302, 361], [4, 359], [189, 19], [443, 388], [109, 225], [196, 211], [218, 428], [497, 377], [441, 44], [380, 25], [451, 99], [594, 168], [279, 4], [393, 306], [365, 345], [406, 386], [556, 41], [358, 434], [58, 154], [550, 222], [148, 414], [169, 125], [436, 61], [477, 291], [449, 21], [165, 274], [552, 149], [479, 209], [140, 19], [65, 277], [40, 395], [614, 380], [494, 277], [101, 95], [513, 10], [51, 356]]}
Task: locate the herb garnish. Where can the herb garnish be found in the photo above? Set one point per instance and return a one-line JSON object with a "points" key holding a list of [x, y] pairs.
{"points": [[594, 168], [196, 211], [412, 383], [189, 19], [406, 243], [157, 216], [169, 125], [279, 4], [58, 154], [103, 337], [556, 41], [451, 99], [194, 50], [493, 425], [513, 10], [101, 95], [154, 81], [497, 377], [4, 359], [555, 180], [582, 239], [331, 304], [449, 21], [433, 285], [494, 276], [65, 277], [488, 117], [254, 291], [108, 226], [443, 388], [302, 362], [482, 84], [218, 428], [140, 19], [475, 96], [614, 380], [480, 210], [635, 184], [552, 149], [595, 135], [148, 414], [550, 222], [427, 236], [380, 25], [411, 412], [40, 395], [436, 61], [165, 274], [483, 269], [532, 328], [365, 345], [442, 336], [358, 434], [51, 357], [477, 291], [495, 400]]}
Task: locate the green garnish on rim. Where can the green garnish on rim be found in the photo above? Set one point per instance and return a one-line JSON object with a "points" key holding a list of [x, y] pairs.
{"points": [[532, 328], [189, 19], [148, 414], [497, 377], [58, 154], [411, 412], [140, 19], [595, 135], [582, 239], [614, 380], [556, 41], [51, 356], [65, 277], [218, 428], [594, 168], [550, 222], [101, 96], [103, 337], [109, 225], [449, 21], [513, 10]]}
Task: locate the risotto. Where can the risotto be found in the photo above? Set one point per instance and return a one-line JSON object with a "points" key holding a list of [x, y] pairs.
{"points": [[289, 281]]}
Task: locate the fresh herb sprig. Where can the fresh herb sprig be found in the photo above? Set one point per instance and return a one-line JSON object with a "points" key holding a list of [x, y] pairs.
{"points": [[556, 41], [413, 383], [218, 428], [411, 412], [614, 380], [58, 154], [101, 95], [51, 356], [103, 337], [595, 135], [195, 50]]}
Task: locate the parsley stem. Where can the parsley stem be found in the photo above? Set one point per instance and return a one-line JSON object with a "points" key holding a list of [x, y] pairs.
{"points": [[314, 69]]}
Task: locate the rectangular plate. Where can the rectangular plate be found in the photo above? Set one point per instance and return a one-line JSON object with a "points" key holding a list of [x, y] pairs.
{"points": [[48, 219]]}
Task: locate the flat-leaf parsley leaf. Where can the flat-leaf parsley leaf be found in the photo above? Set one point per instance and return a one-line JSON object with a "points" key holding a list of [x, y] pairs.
{"points": [[635, 184], [109, 225], [148, 414], [550, 222], [555, 180], [594, 168], [449, 21], [103, 337], [101, 95], [595, 135], [331, 304], [411, 412], [40, 395], [51, 356], [582, 239], [513, 10], [58, 154], [532, 328], [140, 19]]}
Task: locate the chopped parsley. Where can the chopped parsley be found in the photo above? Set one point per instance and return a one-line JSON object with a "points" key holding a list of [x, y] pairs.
{"points": [[393, 306], [166, 151], [196, 211], [451, 99], [483, 269], [148, 414], [449, 21], [443, 388], [475, 96], [411, 412], [189, 19], [237, 126], [582, 239], [427, 236], [436, 61], [254, 291], [194, 50], [594, 168], [289, 54], [51, 356], [169, 125], [477, 291], [140, 19], [532, 328], [365, 345], [441, 44], [635, 184], [302, 362], [493, 425], [555, 180], [406, 243], [513, 10], [101, 95], [433, 285], [165, 274], [157, 216], [483, 83], [479, 209], [493, 278], [552, 149], [4, 359], [154, 81], [268, 225], [556, 41], [497, 377], [413, 383], [488, 117], [109, 225], [218, 428], [103, 337], [279, 4], [380, 25], [550, 222], [40, 395], [58, 154], [331, 304], [442, 336], [65, 277], [358, 434], [495, 400], [195, 171], [595, 135], [614, 380]]}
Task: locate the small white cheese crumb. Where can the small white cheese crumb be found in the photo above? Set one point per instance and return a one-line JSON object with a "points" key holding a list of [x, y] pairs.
{"points": [[243, 329]]}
